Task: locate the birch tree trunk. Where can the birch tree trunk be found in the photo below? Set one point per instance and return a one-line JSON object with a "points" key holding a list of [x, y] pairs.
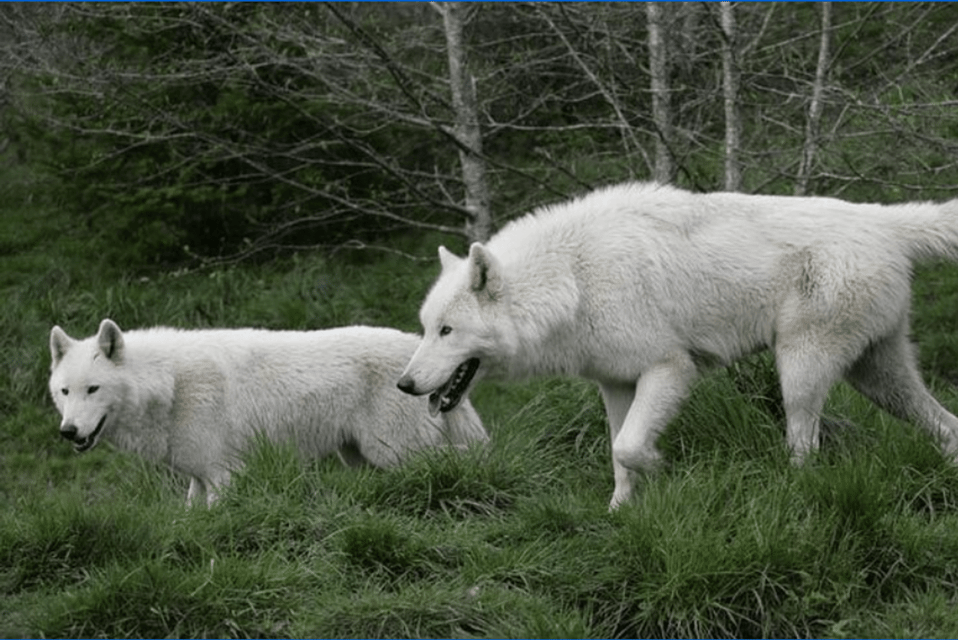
{"points": [[730, 86], [813, 121], [467, 131], [661, 103]]}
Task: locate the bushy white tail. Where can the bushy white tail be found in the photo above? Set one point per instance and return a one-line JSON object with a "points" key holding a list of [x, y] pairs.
{"points": [[932, 230]]}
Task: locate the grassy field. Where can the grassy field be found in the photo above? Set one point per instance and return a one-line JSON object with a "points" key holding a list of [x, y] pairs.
{"points": [[508, 541]]}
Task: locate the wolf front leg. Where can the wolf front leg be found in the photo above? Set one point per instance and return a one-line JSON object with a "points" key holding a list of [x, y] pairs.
{"points": [[618, 399], [657, 397]]}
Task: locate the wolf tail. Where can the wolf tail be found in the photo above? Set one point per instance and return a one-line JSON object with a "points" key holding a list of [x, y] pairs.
{"points": [[931, 230]]}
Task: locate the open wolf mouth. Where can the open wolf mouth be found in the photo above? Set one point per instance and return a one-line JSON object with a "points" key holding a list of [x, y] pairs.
{"points": [[84, 444], [449, 395]]}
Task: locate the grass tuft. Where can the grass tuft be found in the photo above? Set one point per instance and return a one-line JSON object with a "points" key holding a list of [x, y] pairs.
{"points": [[57, 542], [231, 598], [447, 483]]}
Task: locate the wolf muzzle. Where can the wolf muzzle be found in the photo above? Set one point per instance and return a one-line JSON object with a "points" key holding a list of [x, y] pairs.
{"points": [[407, 385], [69, 432]]}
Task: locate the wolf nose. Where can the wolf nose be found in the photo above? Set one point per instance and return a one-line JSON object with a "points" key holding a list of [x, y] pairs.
{"points": [[69, 432], [406, 385]]}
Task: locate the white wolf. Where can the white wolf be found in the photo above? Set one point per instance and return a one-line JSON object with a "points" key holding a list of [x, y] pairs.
{"points": [[638, 285], [194, 399]]}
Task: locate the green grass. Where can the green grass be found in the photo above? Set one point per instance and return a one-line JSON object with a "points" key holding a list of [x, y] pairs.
{"points": [[513, 540]]}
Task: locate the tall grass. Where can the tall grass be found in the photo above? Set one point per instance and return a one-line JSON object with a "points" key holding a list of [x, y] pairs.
{"points": [[510, 540]]}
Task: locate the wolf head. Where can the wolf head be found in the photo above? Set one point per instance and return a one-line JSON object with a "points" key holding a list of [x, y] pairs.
{"points": [[84, 382], [466, 329]]}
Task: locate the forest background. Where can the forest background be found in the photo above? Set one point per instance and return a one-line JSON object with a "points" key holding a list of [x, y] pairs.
{"points": [[295, 165], [218, 131]]}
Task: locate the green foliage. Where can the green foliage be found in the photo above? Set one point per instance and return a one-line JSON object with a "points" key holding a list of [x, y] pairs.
{"points": [[187, 147]]}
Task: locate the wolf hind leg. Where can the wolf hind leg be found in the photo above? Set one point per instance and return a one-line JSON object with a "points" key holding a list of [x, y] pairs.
{"points": [[806, 373], [887, 374], [658, 395]]}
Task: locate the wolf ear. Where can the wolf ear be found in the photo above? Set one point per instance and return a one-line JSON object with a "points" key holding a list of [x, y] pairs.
{"points": [[110, 340], [485, 275], [60, 343], [447, 258]]}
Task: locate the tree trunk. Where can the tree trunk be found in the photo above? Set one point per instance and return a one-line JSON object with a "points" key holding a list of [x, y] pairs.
{"points": [[813, 121], [730, 85], [467, 131], [661, 103]]}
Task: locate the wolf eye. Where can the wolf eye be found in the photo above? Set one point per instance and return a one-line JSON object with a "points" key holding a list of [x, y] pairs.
{"points": [[65, 391], [445, 330], [92, 388]]}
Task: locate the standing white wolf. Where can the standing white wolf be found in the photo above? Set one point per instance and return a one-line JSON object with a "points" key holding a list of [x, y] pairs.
{"points": [[636, 286], [195, 399]]}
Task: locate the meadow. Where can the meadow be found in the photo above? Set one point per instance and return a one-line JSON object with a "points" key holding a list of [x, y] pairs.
{"points": [[510, 540]]}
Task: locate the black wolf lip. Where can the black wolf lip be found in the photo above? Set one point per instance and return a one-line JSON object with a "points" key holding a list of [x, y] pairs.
{"points": [[85, 444], [449, 395]]}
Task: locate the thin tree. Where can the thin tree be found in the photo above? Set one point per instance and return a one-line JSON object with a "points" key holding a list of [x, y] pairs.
{"points": [[467, 131], [730, 86], [661, 103], [813, 121]]}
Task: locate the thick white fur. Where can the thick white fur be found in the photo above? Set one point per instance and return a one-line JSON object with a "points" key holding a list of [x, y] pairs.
{"points": [[194, 399], [638, 285]]}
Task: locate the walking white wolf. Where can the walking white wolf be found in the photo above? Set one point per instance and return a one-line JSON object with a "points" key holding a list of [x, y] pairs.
{"points": [[637, 286], [195, 399]]}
